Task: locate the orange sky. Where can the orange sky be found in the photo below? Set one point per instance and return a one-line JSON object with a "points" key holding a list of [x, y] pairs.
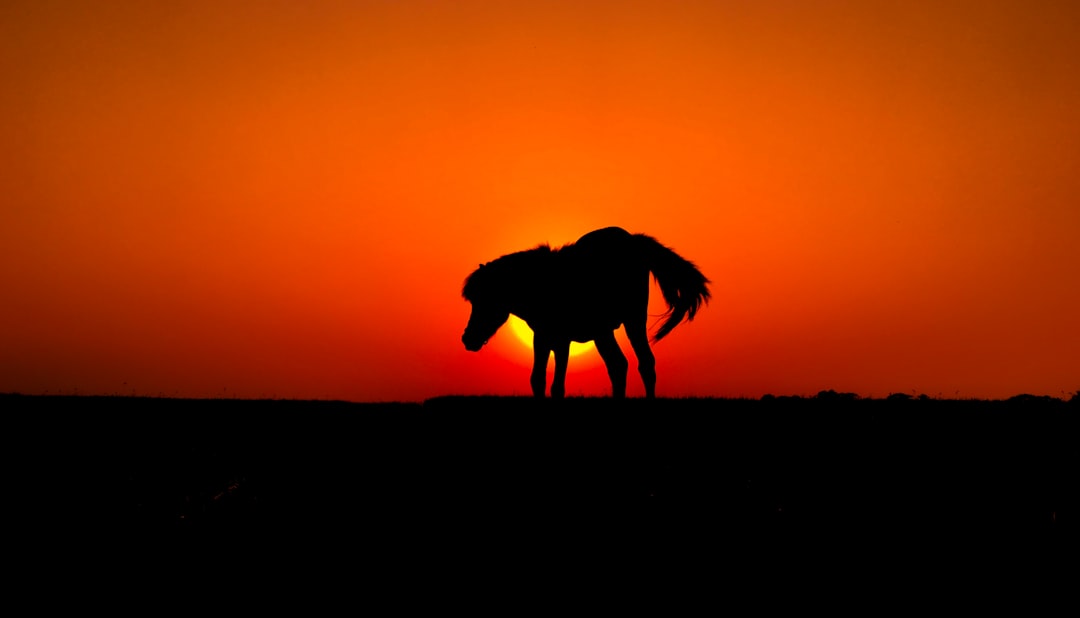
{"points": [[281, 199]]}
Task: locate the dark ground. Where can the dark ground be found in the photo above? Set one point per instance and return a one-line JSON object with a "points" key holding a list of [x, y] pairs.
{"points": [[679, 468]]}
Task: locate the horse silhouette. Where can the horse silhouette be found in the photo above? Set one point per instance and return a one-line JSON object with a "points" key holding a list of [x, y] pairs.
{"points": [[584, 291]]}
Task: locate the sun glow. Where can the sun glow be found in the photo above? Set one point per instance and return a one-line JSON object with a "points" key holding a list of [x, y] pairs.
{"points": [[525, 335]]}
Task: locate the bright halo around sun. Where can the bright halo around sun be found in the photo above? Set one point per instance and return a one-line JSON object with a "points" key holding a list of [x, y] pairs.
{"points": [[525, 334]]}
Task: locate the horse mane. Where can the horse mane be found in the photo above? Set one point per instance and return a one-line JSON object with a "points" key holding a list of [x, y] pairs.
{"points": [[495, 273]]}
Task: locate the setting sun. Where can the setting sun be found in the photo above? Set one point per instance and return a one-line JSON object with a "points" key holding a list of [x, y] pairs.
{"points": [[524, 334]]}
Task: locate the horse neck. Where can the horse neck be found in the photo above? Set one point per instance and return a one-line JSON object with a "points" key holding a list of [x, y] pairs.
{"points": [[524, 279]]}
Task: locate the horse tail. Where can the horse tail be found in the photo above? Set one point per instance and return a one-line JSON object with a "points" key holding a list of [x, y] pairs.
{"points": [[684, 287]]}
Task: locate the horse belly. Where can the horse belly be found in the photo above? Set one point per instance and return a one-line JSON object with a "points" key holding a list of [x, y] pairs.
{"points": [[582, 326]]}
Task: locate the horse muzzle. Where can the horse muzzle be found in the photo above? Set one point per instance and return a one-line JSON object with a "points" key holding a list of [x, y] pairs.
{"points": [[471, 344]]}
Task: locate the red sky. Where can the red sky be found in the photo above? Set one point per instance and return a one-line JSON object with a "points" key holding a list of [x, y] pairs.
{"points": [[281, 199]]}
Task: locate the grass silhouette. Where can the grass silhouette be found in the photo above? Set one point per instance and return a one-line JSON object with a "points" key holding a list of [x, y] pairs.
{"points": [[830, 462]]}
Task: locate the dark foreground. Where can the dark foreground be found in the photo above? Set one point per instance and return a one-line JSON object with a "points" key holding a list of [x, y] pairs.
{"points": [[826, 465]]}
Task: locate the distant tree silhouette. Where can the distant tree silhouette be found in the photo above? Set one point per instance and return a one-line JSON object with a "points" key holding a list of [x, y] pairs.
{"points": [[581, 292], [1029, 399], [832, 395]]}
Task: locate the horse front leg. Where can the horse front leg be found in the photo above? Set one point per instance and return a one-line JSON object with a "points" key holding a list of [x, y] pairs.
{"points": [[562, 359], [538, 379]]}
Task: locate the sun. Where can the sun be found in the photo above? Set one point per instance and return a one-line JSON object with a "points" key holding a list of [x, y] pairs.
{"points": [[525, 335]]}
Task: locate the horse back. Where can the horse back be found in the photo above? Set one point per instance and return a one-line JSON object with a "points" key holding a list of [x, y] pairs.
{"points": [[606, 275], [607, 238], [606, 256]]}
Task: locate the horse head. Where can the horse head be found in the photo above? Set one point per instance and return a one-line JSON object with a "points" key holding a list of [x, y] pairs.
{"points": [[487, 316], [483, 322]]}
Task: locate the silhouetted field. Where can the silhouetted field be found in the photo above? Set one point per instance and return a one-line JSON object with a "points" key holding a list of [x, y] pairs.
{"points": [[831, 463]]}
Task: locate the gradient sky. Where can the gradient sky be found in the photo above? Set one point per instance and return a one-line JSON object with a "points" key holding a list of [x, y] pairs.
{"points": [[281, 199]]}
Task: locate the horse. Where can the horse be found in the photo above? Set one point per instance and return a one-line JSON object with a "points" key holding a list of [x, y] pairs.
{"points": [[584, 291]]}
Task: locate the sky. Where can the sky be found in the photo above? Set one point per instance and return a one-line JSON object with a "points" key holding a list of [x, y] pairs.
{"points": [[280, 199]]}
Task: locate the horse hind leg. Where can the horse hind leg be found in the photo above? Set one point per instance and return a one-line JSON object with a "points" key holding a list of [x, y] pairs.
{"points": [[639, 340], [615, 361]]}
